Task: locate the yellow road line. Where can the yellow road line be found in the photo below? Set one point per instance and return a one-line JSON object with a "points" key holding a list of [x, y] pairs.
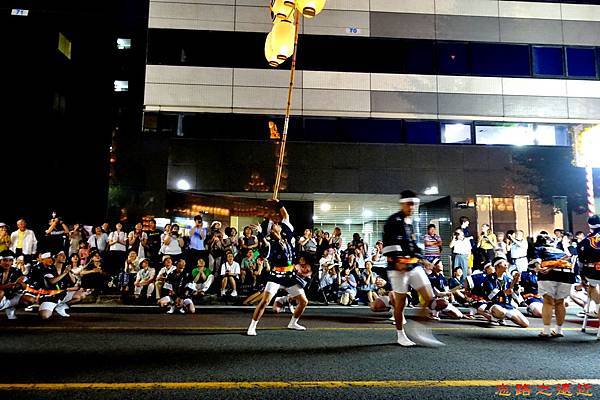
{"points": [[286, 385]]}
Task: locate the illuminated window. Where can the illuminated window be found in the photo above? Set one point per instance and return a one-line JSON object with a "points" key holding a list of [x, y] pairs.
{"points": [[121, 86], [64, 45], [522, 134], [456, 133], [123, 44]]}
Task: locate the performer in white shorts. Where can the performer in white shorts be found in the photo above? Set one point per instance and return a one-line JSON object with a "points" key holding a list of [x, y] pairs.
{"points": [[405, 267], [11, 284], [283, 274], [588, 251]]}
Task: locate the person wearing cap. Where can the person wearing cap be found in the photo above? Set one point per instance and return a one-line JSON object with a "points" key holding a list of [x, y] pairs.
{"points": [[144, 279], [404, 268], [588, 251], [498, 288], [555, 278], [11, 284], [283, 274], [443, 295], [178, 287], [529, 288], [23, 241]]}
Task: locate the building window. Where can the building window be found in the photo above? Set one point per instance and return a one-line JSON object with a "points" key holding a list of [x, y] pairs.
{"points": [[522, 134], [64, 45], [456, 133], [422, 132], [581, 62], [121, 86], [123, 44], [548, 61], [453, 58], [500, 59]]}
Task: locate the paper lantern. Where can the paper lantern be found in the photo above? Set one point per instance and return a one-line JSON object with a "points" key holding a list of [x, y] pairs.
{"points": [[310, 8], [282, 9], [270, 54], [282, 39]]}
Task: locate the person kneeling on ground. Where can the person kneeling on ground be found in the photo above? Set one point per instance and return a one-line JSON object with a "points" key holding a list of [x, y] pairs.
{"points": [[442, 293]]}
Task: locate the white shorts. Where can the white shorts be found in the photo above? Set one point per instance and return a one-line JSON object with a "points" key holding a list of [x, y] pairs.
{"points": [[69, 296], [47, 306], [293, 291], [593, 282], [415, 278], [556, 290], [512, 313], [10, 302], [533, 306], [166, 299]]}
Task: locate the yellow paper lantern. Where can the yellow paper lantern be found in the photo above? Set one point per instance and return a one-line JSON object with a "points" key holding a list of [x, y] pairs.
{"points": [[310, 8], [282, 39], [282, 9], [270, 54]]}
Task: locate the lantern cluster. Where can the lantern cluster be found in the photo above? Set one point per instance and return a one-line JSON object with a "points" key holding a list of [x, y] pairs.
{"points": [[279, 45]]}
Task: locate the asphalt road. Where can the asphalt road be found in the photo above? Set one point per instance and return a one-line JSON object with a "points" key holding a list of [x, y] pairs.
{"points": [[347, 353]]}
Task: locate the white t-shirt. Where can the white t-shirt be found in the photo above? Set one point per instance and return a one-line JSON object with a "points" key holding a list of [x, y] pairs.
{"points": [[462, 246], [98, 242], [233, 268], [172, 248], [118, 237]]}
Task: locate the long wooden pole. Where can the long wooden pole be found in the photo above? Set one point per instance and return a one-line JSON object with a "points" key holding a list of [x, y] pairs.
{"points": [[287, 112]]}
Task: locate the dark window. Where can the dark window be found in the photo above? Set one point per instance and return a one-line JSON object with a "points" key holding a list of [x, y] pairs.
{"points": [[581, 62], [418, 57], [500, 59], [422, 132], [370, 130], [548, 61], [453, 58]]}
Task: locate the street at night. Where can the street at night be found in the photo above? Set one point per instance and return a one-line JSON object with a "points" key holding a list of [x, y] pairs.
{"points": [[345, 353]]}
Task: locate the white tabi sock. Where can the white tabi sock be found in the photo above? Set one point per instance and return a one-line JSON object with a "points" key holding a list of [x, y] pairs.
{"points": [[559, 329], [546, 329], [253, 324]]}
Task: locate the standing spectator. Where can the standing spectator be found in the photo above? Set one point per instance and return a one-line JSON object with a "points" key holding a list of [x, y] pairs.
{"points": [[137, 240], [433, 243], [518, 251], [154, 242], [230, 272], [4, 237], [308, 245], [486, 245], [23, 242], [117, 245], [378, 260], [172, 243], [322, 242], [197, 248], [230, 243], [336, 239], [144, 279], [461, 250], [76, 236], [248, 241], [215, 250], [359, 252], [56, 235], [501, 249], [98, 241], [561, 241]]}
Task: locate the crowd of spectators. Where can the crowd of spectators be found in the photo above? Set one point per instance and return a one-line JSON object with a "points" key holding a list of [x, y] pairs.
{"points": [[146, 265]]}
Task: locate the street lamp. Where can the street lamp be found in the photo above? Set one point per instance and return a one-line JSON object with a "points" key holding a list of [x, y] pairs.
{"points": [[282, 43]]}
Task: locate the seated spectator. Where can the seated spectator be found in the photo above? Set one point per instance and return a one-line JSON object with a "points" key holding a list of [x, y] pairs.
{"points": [[144, 279], [179, 288], [203, 277], [231, 241], [456, 285], [330, 259], [128, 274], [93, 276], [76, 267], [347, 287], [248, 268], [84, 253], [21, 266], [98, 241], [167, 268], [368, 283], [442, 294], [230, 272], [262, 270], [4, 237]]}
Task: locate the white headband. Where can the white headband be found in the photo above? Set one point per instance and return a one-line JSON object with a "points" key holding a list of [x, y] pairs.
{"points": [[595, 226], [414, 200]]}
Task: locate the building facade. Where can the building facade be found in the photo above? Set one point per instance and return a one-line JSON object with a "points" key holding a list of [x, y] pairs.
{"points": [[471, 101]]}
